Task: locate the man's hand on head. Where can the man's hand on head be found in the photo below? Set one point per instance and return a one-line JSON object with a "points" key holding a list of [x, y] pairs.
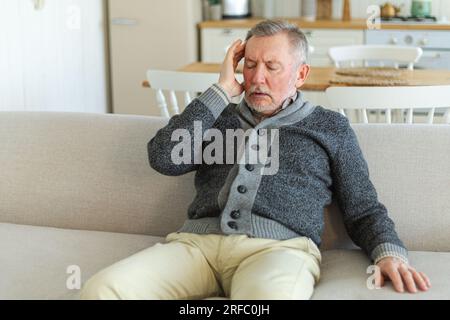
{"points": [[401, 274], [227, 79]]}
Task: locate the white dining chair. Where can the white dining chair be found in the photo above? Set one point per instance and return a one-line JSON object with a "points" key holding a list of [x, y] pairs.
{"points": [[172, 81], [375, 55], [190, 83], [410, 98], [367, 55]]}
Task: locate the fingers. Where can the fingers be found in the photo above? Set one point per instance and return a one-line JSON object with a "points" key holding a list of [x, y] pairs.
{"points": [[427, 280], [227, 78], [229, 57], [240, 45], [235, 53], [237, 47], [396, 279], [239, 53], [403, 275], [420, 281], [379, 279], [408, 278]]}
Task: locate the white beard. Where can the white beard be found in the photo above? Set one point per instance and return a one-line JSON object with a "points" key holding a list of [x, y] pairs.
{"points": [[261, 111]]}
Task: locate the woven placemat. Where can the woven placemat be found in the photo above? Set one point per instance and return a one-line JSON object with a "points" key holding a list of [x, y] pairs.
{"points": [[373, 72], [375, 76], [367, 81]]}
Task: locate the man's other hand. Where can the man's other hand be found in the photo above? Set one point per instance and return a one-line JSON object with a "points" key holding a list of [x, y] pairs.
{"points": [[401, 275]]}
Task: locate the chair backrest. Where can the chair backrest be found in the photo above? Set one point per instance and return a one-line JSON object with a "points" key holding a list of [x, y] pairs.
{"points": [[173, 81], [375, 53], [387, 98]]}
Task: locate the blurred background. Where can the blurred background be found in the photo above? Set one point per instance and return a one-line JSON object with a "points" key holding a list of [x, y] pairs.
{"points": [[92, 55]]}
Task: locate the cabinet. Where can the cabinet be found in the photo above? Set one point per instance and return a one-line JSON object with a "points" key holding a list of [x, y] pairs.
{"points": [[215, 42], [323, 39]]}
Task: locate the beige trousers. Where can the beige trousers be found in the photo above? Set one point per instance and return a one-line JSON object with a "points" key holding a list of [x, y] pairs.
{"points": [[194, 266]]}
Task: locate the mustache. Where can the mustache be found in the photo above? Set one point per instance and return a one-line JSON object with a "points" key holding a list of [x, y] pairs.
{"points": [[259, 90]]}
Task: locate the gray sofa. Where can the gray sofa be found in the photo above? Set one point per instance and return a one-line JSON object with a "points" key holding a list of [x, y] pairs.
{"points": [[77, 194]]}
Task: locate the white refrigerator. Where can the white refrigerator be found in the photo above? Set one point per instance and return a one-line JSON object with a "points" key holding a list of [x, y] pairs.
{"points": [[143, 34]]}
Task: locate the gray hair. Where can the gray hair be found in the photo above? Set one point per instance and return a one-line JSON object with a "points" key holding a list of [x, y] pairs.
{"points": [[297, 38]]}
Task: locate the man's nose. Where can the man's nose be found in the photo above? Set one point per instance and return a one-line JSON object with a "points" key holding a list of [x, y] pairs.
{"points": [[259, 75]]}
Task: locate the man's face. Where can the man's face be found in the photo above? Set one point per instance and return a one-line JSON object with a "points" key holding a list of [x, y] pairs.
{"points": [[271, 72]]}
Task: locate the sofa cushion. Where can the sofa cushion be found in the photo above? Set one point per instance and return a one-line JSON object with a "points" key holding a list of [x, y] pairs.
{"points": [[34, 260], [343, 276]]}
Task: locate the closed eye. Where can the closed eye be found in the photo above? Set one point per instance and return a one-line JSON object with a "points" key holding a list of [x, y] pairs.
{"points": [[273, 66]]}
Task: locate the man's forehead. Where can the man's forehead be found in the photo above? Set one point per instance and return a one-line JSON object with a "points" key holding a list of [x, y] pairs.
{"points": [[265, 53], [268, 58]]}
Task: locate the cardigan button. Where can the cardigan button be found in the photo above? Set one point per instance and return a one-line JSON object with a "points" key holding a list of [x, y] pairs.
{"points": [[242, 189], [236, 214], [249, 167], [233, 225]]}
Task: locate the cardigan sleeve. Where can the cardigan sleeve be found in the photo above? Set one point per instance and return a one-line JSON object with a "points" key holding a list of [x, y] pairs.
{"points": [[365, 218], [201, 112]]}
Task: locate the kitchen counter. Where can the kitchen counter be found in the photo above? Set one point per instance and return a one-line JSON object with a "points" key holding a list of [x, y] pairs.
{"points": [[357, 24]]}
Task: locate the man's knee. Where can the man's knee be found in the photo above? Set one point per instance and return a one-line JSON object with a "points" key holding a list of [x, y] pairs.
{"points": [[281, 287]]}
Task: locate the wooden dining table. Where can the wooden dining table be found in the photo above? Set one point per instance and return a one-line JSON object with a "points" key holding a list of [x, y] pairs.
{"points": [[320, 78]]}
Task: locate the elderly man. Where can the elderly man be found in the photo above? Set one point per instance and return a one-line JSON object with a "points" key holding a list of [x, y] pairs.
{"points": [[251, 235]]}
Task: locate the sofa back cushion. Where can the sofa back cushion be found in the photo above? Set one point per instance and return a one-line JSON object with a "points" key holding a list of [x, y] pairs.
{"points": [[87, 171], [408, 165], [91, 172]]}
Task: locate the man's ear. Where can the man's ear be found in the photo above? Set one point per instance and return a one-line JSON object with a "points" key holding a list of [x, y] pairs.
{"points": [[302, 74]]}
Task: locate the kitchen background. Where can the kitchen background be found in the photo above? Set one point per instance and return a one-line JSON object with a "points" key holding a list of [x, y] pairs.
{"points": [[292, 8], [92, 55]]}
